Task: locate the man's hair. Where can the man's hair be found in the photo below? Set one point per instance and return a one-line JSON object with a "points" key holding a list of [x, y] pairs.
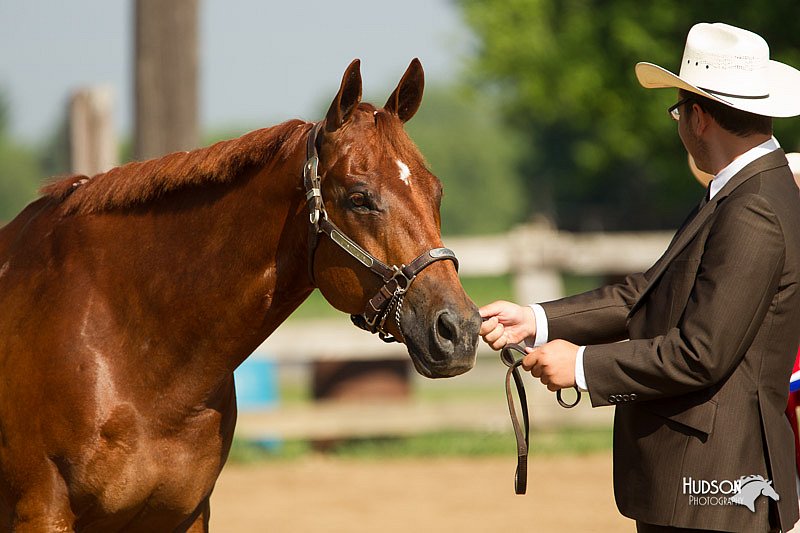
{"points": [[736, 121]]}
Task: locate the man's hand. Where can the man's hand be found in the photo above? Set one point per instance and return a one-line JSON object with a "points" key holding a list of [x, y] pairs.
{"points": [[506, 322], [553, 363]]}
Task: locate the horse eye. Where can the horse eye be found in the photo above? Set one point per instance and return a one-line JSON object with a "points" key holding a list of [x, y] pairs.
{"points": [[358, 199]]}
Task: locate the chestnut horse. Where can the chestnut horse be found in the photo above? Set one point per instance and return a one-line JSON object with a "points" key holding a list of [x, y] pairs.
{"points": [[128, 299]]}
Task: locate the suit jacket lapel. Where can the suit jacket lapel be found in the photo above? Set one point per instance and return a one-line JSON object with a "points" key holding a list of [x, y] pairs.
{"points": [[689, 230]]}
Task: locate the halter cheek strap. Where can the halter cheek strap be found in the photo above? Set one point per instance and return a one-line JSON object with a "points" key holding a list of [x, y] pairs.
{"points": [[396, 280]]}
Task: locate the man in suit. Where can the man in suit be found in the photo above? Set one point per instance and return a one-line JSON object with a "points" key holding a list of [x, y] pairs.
{"points": [[711, 330]]}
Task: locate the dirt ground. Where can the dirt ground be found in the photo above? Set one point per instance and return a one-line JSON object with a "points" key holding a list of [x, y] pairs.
{"points": [[321, 494]]}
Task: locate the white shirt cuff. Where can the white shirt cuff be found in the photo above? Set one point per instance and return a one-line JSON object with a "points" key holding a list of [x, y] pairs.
{"points": [[541, 326], [580, 375]]}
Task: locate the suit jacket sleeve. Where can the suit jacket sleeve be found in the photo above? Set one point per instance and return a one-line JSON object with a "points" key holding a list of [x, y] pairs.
{"points": [[597, 316], [734, 286]]}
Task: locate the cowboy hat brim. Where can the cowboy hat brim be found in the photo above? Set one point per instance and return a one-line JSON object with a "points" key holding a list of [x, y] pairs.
{"points": [[784, 83]]}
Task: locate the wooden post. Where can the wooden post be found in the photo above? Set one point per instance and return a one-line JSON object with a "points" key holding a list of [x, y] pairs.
{"points": [[537, 273], [166, 74], [92, 138]]}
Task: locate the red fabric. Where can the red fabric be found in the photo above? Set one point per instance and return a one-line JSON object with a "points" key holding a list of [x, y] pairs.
{"points": [[791, 412]]}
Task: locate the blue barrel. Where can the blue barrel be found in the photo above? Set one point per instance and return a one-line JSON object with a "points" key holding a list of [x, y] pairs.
{"points": [[256, 384]]}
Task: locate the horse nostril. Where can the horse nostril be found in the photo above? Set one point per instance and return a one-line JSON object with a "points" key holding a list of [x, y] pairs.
{"points": [[446, 326]]}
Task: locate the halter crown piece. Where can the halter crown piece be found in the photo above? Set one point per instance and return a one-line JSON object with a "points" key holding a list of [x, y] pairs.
{"points": [[396, 280]]}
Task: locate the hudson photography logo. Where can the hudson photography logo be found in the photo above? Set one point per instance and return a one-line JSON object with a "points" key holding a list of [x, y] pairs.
{"points": [[743, 491]]}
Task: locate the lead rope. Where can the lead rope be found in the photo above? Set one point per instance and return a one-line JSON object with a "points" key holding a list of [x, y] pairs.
{"points": [[523, 437], [523, 441]]}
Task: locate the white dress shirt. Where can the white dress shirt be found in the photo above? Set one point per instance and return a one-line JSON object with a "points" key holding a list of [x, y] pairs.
{"points": [[717, 183]]}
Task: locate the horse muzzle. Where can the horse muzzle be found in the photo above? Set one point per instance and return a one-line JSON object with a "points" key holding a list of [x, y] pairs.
{"points": [[448, 346]]}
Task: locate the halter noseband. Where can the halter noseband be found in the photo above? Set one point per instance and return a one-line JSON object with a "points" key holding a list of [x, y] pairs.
{"points": [[396, 280]]}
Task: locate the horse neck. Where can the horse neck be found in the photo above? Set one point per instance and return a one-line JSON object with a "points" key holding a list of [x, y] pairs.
{"points": [[207, 276]]}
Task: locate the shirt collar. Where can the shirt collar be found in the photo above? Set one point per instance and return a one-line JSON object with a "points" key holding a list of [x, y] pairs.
{"points": [[725, 175]]}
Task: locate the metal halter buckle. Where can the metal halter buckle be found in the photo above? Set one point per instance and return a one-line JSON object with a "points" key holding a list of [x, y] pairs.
{"points": [[403, 281]]}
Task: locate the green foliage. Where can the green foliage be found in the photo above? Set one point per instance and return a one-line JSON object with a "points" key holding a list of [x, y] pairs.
{"points": [[19, 170], [601, 150], [475, 156], [19, 179]]}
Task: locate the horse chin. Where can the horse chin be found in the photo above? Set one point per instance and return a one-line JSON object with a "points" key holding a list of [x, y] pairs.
{"points": [[435, 372], [429, 367]]}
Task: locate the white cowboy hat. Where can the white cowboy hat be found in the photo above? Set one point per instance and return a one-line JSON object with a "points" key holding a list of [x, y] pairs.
{"points": [[732, 66]]}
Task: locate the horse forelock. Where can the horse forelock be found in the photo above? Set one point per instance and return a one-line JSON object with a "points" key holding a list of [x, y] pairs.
{"points": [[392, 132], [140, 182]]}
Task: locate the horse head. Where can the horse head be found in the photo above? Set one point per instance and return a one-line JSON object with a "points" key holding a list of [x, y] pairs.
{"points": [[750, 488], [379, 192], [768, 490]]}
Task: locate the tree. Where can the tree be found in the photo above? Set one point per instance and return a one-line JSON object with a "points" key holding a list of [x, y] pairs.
{"points": [[601, 152], [475, 156], [19, 171]]}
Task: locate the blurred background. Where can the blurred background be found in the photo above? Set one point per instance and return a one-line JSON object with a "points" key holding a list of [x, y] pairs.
{"points": [[560, 172], [545, 89]]}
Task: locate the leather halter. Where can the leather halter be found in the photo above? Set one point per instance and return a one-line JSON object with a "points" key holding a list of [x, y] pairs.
{"points": [[522, 431], [396, 280]]}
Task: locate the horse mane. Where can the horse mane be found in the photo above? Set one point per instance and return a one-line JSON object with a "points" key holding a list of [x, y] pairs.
{"points": [[744, 480], [140, 182]]}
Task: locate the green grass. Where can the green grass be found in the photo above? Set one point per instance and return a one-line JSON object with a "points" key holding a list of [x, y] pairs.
{"points": [[245, 452], [438, 444]]}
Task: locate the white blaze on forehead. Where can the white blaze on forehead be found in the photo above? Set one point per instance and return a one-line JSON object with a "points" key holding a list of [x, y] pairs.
{"points": [[404, 172]]}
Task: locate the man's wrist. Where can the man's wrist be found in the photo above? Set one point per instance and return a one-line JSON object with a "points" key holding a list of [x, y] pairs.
{"points": [[580, 374], [540, 331]]}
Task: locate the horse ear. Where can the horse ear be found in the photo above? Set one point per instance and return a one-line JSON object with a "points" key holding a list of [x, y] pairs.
{"points": [[407, 96], [346, 99]]}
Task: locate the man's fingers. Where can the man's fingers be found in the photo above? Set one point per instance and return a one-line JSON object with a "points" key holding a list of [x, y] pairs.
{"points": [[499, 344], [533, 363], [530, 359], [495, 336], [492, 309], [488, 325], [552, 363]]}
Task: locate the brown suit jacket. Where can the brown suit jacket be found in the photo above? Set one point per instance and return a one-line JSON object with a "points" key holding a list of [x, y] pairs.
{"points": [[701, 385]]}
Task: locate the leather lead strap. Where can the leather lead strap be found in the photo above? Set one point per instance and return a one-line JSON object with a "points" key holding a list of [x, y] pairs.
{"points": [[522, 431], [522, 436]]}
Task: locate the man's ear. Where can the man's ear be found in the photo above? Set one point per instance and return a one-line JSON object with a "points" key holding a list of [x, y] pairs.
{"points": [[699, 119]]}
